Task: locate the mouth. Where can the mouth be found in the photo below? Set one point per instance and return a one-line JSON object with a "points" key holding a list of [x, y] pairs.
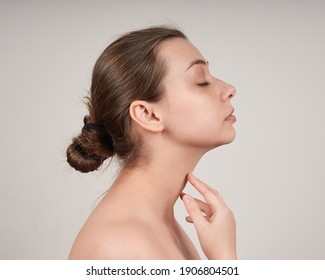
{"points": [[231, 117]]}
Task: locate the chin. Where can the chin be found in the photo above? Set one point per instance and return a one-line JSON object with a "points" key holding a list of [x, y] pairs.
{"points": [[226, 139], [231, 137]]}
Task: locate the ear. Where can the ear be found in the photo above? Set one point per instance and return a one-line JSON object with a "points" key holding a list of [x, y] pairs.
{"points": [[146, 115]]}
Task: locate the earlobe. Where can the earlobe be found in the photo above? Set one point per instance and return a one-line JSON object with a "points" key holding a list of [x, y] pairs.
{"points": [[146, 115]]}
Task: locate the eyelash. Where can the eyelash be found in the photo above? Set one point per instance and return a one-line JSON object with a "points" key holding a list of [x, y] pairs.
{"points": [[205, 84]]}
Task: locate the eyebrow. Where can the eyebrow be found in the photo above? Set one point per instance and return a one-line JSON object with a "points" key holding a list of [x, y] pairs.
{"points": [[198, 61]]}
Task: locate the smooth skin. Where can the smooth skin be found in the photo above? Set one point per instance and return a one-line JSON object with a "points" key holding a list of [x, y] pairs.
{"points": [[135, 219]]}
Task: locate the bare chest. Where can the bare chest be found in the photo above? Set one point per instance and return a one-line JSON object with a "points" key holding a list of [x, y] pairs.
{"points": [[177, 244]]}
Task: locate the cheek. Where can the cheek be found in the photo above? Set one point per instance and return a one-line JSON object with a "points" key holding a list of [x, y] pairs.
{"points": [[196, 121]]}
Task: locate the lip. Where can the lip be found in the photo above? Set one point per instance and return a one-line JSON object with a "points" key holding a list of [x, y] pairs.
{"points": [[231, 117]]}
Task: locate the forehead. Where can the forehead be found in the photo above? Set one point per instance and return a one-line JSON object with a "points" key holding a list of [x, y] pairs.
{"points": [[179, 54]]}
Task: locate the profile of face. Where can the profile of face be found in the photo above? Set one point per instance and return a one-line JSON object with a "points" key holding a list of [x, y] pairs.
{"points": [[197, 110]]}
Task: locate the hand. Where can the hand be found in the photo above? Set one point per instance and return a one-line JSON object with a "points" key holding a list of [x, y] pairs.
{"points": [[217, 228]]}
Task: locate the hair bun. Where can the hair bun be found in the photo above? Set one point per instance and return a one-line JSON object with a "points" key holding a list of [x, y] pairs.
{"points": [[90, 148]]}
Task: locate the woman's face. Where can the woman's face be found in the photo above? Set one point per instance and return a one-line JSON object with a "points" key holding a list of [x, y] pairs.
{"points": [[197, 105]]}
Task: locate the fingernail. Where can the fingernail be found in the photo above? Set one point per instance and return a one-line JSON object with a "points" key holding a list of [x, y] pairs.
{"points": [[187, 198], [191, 174]]}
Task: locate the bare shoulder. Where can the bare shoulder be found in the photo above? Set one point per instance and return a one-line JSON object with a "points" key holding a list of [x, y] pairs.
{"points": [[118, 240]]}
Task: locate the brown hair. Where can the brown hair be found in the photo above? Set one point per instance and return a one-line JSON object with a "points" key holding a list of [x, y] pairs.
{"points": [[129, 69]]}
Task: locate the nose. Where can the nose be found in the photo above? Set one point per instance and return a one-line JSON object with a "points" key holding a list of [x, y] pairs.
{"points": [[228, 92]]}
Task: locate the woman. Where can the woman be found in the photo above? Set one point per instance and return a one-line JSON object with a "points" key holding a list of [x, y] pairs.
{"points": [[154, 105]]}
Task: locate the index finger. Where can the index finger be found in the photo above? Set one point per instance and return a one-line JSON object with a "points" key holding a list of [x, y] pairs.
{"points": [[211, 196]]}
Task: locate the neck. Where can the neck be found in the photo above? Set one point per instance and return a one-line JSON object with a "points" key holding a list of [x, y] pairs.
{"points": [[155, 186]]}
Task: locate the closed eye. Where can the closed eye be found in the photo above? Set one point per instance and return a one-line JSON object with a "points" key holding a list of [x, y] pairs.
{"points": [[205, 84]]}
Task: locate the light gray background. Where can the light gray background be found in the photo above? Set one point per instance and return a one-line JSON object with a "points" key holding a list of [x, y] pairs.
{"points": [[272, 176]]}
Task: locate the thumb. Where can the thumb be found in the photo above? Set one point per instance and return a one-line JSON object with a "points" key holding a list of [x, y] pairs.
{"points": [[194, 211]]}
